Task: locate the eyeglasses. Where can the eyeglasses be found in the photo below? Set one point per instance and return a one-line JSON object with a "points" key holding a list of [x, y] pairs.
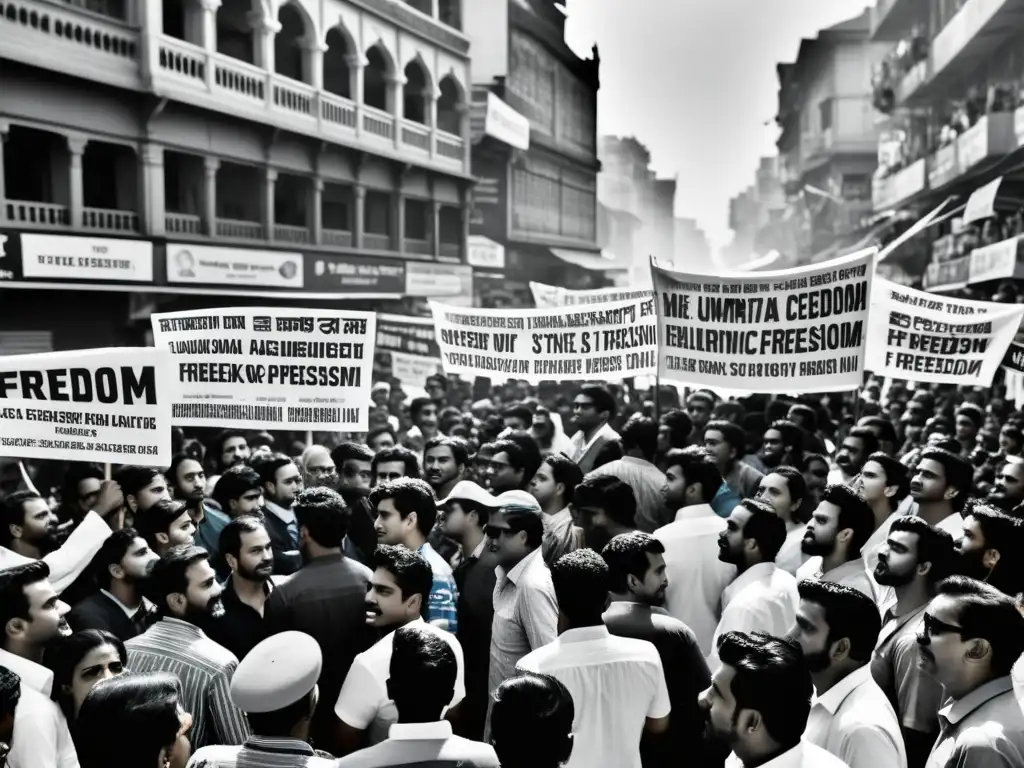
{"points": [[934, 626]]}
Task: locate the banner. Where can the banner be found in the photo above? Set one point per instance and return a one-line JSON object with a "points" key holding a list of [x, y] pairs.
{"points": [[548, 296], [202, 264], [277, 368], [789, 331], [86, 258], [102, 405], [1013, 360], [929, 338], [609, 341], [982, 202], [412, 370]]}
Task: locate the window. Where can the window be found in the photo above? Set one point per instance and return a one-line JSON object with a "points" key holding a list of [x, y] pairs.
{"points": [[825, 109], [577, 112], [531, 82]]}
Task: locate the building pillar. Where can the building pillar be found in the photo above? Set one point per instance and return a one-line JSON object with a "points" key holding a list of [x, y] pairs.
{"points": [[314, 62], [264, 31], [435, 228], [76, 148], [399, 231], [5, 127], [466, 216], [147, 15], [209, 11], [210, 167], [316, 213], [396, 85], [463, 110], [359, 224], [153, 206], [269, 182], [430, 97], [356, 62]]}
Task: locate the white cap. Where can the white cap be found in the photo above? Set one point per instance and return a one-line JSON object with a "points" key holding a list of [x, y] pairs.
{"points": [[519, 501], [467, 490]]}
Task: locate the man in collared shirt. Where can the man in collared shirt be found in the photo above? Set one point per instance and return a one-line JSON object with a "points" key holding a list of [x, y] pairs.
{"points": [[696, 575], [188, 481], [593, 408], [758, 704], [833, 539], [883, 484], [406, 512], [914, 558], [837, 628], [186, 591], [617, 683], [785, 490], [553, 485], [606, 507], [422, 679], [726, 443], [941, 485], [282, 482], [970, 638], [762, 597]]}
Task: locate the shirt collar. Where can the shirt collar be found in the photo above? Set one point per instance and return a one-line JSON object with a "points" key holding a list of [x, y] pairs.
{"points": [[420, 731], [35, 676], [791, 758], [957, 709], [632, 606], [128, 611], [284, 515], [759, 572], [834, 697], [840, 572], [694, 512], [279, 745], [520, 568], [178, 627], [584, 634], [479, 548], [557, 520]]}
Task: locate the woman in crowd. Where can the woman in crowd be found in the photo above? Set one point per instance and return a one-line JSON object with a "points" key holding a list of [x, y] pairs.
{"points": [[79, 662]]}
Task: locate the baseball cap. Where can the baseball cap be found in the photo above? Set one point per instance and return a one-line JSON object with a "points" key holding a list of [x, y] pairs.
{"points": [[467, 490], [518, 502]]}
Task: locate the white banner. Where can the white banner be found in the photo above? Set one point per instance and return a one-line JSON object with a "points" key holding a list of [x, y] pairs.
{"points": [[795, 330], [187, 263], [102, 405], [274, 368], [413, 370], [607, 342], [925, 337], [982, 202], [548, 296], [86, 258]]}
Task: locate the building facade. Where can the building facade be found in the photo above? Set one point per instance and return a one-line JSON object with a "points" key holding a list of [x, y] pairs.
{"points": [[188, 150]]}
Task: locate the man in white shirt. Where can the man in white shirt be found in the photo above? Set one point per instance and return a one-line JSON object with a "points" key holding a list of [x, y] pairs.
{"points": [[883, 483], [941, 486], [592, 408], [763, 597], [758, 703], [617, 683], [696, 575], [837, 628], [785, 490], [833, 538]]}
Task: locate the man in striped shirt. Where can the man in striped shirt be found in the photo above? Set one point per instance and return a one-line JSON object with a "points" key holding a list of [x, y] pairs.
{"points": [[185, 589]]}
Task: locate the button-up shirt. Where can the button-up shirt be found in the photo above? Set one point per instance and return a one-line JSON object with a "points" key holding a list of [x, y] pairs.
{"points": [[803, 755], [262, 752], [763, 598], [850, 574], [241, 628], [41, 738], [560, 536], [424, 745], [744, 480], [616, 684], [208, 531], [204, 669], [696, 577], [984, 729], [444, 595], [854, 721], [646, 480]]}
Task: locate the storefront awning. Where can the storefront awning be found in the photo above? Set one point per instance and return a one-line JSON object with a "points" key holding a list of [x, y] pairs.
{"points": [[598, 262]]}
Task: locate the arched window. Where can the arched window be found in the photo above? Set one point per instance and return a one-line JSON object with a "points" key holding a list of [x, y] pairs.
{"points": [[414, 94], [337, 73], [450, 106], [376, 79]]}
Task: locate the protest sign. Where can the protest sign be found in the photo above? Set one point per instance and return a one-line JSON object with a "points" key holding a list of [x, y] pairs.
{"points": [[100, 405], [548, 296], [610, 341], [1013, 360], [925, 337], [982, 202], [276, 368], [795, 330], [412, 370]]}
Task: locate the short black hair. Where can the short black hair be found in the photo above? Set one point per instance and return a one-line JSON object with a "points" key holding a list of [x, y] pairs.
{"points": [[641, 434], [424, 667], [896, 474], [267, 466], [10, 692], [458, 447], [176, 461], [523, 453], [12, 509], [972, 412], [806, 413], [170, 574], [765, 527], [418, 405], [158, 519], [868, 438], [792, 434], [986, 613], [607, 492], [697, 466], [565, 471], [112, 552], [539, 706], [376, 432], [77, 472], [324, 514], [230, 540], [958, 470], [397, 453], [772, 678], [849, 613], [886, 429], [409, 495], [133, 478], [603, 400], [518, 411], [411, 570], [350, 451], [934, 545], [13, 602], [626, 555], [795, 482], [235, 483], [581, 580], [854, 514], [733, 434], [679, 425]]}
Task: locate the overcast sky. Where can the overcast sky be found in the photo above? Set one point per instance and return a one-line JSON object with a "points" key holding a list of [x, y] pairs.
{"points": [[695, 81]]}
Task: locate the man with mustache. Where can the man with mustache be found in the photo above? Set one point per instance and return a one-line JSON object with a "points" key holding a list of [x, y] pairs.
{"points": [[397, 596], [914, 558], [1008, 492], [858, 444], [29, 527], [837, 628], [990, 548], [186, 592], [444, 463], [834, 537]]}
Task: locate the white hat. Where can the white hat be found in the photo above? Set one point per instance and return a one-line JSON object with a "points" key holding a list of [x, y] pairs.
{"points": [[279, 671], [519, 502], [467, 490]]}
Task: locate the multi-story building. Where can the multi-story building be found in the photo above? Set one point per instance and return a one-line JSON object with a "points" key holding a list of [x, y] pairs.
{"points": [[188, 150], [535, 203], [828, 136], [951, 86]]}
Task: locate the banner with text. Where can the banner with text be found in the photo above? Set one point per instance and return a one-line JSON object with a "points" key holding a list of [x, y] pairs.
{"points": [[278, 368], [102, 405], [548, 296], [924, 337], [609, 341], [789, 331], [1013, 360]]}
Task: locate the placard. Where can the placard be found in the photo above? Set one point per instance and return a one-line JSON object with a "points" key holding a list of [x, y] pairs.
{"points": [[63, 257], [604, 342], [1013, 360], [272, 368], [982, 202], [243, 267], [98, 405], [795, 330], [547, 296], [412, 370]]}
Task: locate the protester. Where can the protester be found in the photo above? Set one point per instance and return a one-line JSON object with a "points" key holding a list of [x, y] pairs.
{"points": [[281, 483], [834, 537], [538, 705], [394, 463], [593, 408], [80, 661], [553, 486], [636, 469], [940, 486], [606, 507], [784, 489], [883, 484], [166, 525], [859, 443], [188, 482], [726, 442]]}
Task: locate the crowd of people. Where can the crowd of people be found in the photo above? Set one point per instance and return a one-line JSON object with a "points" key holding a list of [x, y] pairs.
{"points": [[593, 577]]}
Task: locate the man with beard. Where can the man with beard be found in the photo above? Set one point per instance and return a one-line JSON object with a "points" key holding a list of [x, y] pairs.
{"points": [[699, 407], [834, 537], [837, 628], [354, 480], [915, 557], [393, 463], [185, 590], [229, 449], [990, 548], [444, 463], [188, 481], [758, 703], [239, 491], [785, 491], [970, 637], [398, 593], [324, 599], [858, 444], [637, 572], [593, 408], [883, 484], [941, 485], [166, 526], [782, 444], [247, 552], [815, 471], [553, 486], [318, 468], [142, 487], [1008, 492], [884, 432], [606, 507], [282, 482], [762, 597], [29, 526], [121, 569]]}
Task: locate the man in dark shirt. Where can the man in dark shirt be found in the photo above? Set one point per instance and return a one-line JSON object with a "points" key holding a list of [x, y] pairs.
{"points": [[324, 599], [636, 565]]}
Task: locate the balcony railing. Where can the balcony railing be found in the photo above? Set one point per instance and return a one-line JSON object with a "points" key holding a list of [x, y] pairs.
{"points": [[34, 214], [450, 146], [338, 238], [973, 33], [451, 250], [374, 242], [422, 247], [416, 135], [183, 224], [338, 110], [890, 18], [892, 190], [241, 230], [377, 122], [106, 220], [286, 233]]}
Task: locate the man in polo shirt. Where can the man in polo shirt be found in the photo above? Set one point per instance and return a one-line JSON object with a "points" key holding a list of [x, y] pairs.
{"points": [[399, 590], [726, 442], [914, 558], [833, 538], [406, 512], [970, 637], [837, 628]]}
